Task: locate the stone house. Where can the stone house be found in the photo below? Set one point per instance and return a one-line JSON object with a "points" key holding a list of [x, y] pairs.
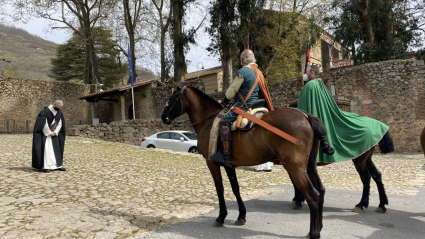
{"points": [[116, 104], [327, 54], [212, 78]]}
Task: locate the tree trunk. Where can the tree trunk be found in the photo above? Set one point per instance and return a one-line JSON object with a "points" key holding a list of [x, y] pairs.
{"points": [[129, 25], [164, 30], [164, 74], [86, 73], [227, 60], [364, 15], [86, 21], [227, 70], [179, 59], [93, 59]]}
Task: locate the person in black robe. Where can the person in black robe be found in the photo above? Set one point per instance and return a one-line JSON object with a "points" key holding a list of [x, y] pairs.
{"points": [[49, 139]]}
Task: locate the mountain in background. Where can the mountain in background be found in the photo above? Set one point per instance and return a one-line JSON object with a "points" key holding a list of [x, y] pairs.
{"points": [[24, 55]]}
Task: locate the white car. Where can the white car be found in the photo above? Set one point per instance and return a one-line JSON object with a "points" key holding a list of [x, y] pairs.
{"points": [[178, 140]]}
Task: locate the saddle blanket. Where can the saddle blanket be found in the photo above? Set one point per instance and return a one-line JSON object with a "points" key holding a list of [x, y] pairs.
{"points": [[247, 124]]}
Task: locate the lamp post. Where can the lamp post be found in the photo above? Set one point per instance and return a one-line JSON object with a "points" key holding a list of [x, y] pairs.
{"points": [[197, 67]]}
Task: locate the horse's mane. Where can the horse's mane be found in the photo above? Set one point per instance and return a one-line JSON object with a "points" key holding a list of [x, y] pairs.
{"points": [[205, 97]]}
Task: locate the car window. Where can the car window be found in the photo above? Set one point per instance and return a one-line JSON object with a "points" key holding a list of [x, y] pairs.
{"points": [[163, 135], [191, 136], [176, 136]]}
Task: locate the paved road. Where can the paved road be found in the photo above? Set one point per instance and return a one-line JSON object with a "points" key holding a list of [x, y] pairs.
{"points": [[272, 217], [115, 191]]}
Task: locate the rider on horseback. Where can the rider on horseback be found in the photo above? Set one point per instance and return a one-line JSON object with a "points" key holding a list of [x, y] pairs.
{"points": [[245, 93]]}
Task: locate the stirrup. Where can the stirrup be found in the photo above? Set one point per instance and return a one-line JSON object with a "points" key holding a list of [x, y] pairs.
{"points": [[218, 157]]}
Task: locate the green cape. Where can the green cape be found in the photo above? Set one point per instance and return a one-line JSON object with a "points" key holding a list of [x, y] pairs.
{"points": [[349, 134]]}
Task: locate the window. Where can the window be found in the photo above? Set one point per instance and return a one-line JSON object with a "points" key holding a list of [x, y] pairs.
{"points": [[163, 135], [176, 136], [191, 136]]}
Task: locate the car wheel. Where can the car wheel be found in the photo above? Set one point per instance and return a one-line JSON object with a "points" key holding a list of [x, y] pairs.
{"points": [[194, 150], [150, 146]]}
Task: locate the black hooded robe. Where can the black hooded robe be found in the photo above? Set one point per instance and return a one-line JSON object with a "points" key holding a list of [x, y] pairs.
{"points": [[39, 139]]}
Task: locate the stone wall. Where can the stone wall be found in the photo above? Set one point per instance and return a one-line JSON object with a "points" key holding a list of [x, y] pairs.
{"points": [[390, 91], [23, 99], [126, 131], [133, 131]]}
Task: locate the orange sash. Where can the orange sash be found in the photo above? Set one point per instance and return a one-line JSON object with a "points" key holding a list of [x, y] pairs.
{"points": [[264, 91]]}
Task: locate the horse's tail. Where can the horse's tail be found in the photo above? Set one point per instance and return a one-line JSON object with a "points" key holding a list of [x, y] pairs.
{"points": [[386, 144], [320, 132]]}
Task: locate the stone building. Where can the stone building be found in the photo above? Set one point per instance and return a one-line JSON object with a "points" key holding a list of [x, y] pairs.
{"points": [[327, 54], [119, 102], [212, 78]]}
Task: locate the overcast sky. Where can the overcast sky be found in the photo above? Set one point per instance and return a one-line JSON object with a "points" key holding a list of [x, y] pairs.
{"points": [[198, 55]]}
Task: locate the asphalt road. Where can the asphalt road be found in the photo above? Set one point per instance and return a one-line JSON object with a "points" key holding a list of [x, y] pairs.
{"points": [[273, 217]]}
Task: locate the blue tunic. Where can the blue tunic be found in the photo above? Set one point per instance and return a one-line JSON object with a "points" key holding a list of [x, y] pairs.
{"points": [[249, 77]]}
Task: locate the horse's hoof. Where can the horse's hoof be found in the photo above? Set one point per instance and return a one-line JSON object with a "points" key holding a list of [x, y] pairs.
{"points": [[357, 210], [216, 224], [308, 235], [293, 203], [381, 210], [240, 222], [296, 207]]}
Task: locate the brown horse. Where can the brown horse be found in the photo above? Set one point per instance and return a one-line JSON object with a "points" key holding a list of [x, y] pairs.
{"points": [[258, 146], [423, 140], [367, 170]]}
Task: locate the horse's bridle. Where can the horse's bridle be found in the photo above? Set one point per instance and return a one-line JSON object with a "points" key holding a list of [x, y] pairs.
{"points": [[180, 93]]}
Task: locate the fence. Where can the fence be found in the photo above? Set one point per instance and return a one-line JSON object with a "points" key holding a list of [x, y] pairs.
{"points": [[16, 126]]}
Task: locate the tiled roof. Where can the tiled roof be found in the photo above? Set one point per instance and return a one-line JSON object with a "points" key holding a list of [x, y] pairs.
{"points": [[205, 72], [118, 88]]}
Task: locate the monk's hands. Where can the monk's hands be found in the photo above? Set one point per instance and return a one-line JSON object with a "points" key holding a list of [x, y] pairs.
{"points": [[53, 134]]}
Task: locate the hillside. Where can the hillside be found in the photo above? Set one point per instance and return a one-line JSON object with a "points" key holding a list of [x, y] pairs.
{"points": [[24, 55]]}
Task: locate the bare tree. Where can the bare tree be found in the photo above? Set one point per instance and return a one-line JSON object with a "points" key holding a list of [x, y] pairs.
{"points": [[164, 24], [132, 15]]}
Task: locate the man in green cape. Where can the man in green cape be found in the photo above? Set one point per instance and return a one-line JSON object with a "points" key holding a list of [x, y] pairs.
{"points": [[349, 134]]}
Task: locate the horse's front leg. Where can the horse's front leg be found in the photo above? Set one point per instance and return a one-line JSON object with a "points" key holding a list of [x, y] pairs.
{"points": [[231, 173], [218, 181]]}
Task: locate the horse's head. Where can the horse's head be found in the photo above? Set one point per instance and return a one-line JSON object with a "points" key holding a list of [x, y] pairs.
{"points": [[174, 107]]}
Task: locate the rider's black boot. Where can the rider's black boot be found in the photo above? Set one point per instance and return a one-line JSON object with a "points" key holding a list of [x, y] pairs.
{"points": [[224, 155]]}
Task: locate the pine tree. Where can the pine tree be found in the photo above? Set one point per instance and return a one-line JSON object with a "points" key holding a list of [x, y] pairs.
{"points": [[69, 62]]}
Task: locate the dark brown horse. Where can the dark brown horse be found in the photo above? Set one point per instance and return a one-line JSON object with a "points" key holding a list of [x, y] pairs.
{"points": [[367, 170], [258, 146], [423, 140]]}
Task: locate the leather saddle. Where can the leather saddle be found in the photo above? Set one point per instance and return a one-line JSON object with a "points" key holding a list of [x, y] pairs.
{"points": [[258, 109]]}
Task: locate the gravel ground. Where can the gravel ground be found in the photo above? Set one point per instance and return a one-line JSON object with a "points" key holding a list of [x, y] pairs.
{"points": [[113, 190]]}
